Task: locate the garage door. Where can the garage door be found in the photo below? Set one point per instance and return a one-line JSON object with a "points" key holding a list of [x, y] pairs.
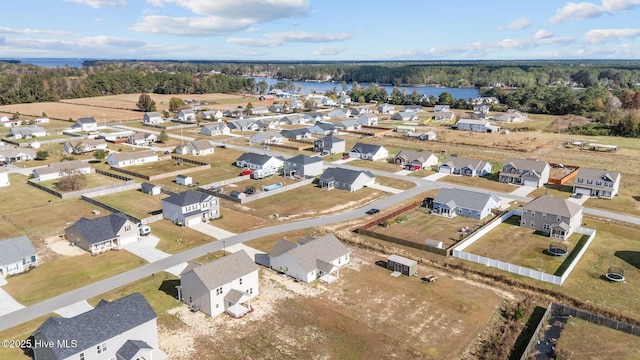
{"points": [[193, 220], [128, 239], [531, 183], [583, 191]]}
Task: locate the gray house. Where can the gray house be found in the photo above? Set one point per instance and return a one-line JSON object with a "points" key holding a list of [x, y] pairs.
{"points": [[321, 128], [476, 126], [121, 329], [303, 166], [463, 166], [402, 265], [557, 217], [368, 152], [190, 207], [225, 285], [345, 179], [16, 256], [152, 118], [102, 234], [329, 145], [595, 182], [527, 172], [348, 125], [453, 202], [415, 160], [405, 116]]}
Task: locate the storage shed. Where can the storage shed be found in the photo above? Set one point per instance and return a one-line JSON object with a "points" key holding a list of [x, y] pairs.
{"points": [[402, 265], [184, 180], [150, 189]]}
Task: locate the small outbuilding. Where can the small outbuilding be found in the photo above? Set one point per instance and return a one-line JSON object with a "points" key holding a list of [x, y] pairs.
{"points": [[150, 189], [402, 265], [184, 180]]}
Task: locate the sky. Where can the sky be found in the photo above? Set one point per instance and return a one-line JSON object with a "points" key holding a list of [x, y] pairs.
{"points": [[325, 30]]}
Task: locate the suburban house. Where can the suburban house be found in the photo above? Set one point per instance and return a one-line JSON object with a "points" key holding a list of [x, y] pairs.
{"points": [[4, 177], [313, 116], [344, 99], [215, 129], [26, 132], [303, 166], [296, 134], [226, 284], [122, 159], [368, 119], [598, 183], [268, 124], [426, 136], [243, 125], [464, 166], [511, 116], [41, 120], [349, 125], [234, 113], [368, 152], [554, 216], [293, 119], [212, 115], [267, 137], [527, 172], [415, 160], [142, 139], [476, 126], [310, 258], [444, 115], [115, 136], [322, 128], [17, 155], [339, 113], [80, 147], [61, 169], [357, 111], [405, 116], [412, 108], [386, 109], [6, 122], [297, 104], [187, 115], [329, 145], [86, 124], [481, 110], [121, 329], [439, 108], [150, 189], [345, 179], [16, 256], [196, 147], [102, 234], [278, 108], [152, 118], [259, 110], [453, 202], [190, 207], [185, 180], [259, 161]]}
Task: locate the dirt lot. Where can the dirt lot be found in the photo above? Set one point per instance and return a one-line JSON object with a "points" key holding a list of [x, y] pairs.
{"points": [[364, 314], [65, 111]]}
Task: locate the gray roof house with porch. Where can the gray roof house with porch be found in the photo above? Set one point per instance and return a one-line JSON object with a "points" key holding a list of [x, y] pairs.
{"points": [[464, 166], [102, 234], [453, 202], [224, 285], [190, 207], [124, 329], [368, 152], [310, 258], [415, 159], [303, 166], [329, 144], [527, 172], [345, 179], [596, 182], [16, 256], [554, 216]]}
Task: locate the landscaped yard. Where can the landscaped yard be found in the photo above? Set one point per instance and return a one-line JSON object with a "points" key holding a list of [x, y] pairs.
{"points": [[519, 245], [133, 202], [585, 340], [93, 180]]}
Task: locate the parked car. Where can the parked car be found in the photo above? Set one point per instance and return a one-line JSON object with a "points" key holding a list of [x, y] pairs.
{"points": [[250, 192], [246, 172], [373, 211], [346, 157], [144, 230]]}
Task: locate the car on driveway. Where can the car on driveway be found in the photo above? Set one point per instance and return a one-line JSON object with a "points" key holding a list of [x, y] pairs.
{"points": [[373, 211], [346, 157], [246, 172]]}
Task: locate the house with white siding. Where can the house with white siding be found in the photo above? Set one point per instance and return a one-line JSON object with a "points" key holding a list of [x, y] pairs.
{"points": [[345, 179], [152, 118], [596, 182], [17, 255], [554, 216], [190, 207], [463, 166], [368, 152], [123, 159], [102, 234], [61, 169], [525, 172]]}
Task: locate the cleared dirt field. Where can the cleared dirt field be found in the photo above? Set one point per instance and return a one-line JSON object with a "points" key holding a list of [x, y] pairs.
{"points": [[64, 111], [584, 340]]}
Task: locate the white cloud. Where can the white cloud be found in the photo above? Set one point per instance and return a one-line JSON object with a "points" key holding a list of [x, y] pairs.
{"points": [[586, 10], [27, 31], [277, 39], [519, 24], [202, 26], [548, 39], [97, 4], [252, 42], [328, 50], [543, 34], [597, 36], [156, 3]]}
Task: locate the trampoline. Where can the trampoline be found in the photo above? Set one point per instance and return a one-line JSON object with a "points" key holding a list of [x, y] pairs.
{"points": [[557, 249], [615, 274]]}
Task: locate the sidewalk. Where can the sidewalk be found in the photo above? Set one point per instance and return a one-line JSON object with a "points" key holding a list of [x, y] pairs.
{"points": [[434, 177], [146, 249], [212, 231]]}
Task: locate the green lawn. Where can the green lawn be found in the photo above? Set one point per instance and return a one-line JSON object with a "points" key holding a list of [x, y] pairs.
{"points": [[169, 233], [488, 182], [93, 180], [133, 202], [585, 340]]}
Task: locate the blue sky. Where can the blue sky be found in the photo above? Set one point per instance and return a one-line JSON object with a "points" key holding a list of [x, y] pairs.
{"points": [[321, 29]]}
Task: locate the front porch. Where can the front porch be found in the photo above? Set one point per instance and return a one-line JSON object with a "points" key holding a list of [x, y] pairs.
{"points": [[327, 272], [237, 303]]}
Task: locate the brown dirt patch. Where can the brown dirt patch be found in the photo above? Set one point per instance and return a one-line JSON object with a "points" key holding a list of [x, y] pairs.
{"points": [[565, 122]]}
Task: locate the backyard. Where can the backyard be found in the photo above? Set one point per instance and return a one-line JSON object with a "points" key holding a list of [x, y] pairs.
{"points": [[585, 340], [93, 180], [160, 167], [133, 202]]}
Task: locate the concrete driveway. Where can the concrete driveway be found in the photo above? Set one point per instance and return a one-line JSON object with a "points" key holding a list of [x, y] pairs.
{"points": [[340, 162], [434, 177], [403, 172], [74, 309], [146, 249], [7, 303], [385, 188], [212, 231], [579, 201], [523, 190]]}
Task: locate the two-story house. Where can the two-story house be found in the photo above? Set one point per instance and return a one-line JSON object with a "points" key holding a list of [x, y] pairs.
{"points": [[303, 166], [190, 207], [476, 126], [152, 118], [86, 124], [80, 147], [464, 166], [557, 217], [345, 179], [526, 172], [329, 145], [598, 183], [196, 147]]}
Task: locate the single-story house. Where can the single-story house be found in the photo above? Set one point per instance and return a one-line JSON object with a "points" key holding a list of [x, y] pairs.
{"points": [[368, 152], [452, 202], [345, 179], [122, 159], [322, 128], [444, 115], [259, 161], [185, 180], [415, 160], [412, 108], [16, 256], [196, 147], [243, 125], [402, 265], [190, 207], [121, 329], [41, 120], [596, 182], [268, 124], [329, 145], [150, 189], [152, 118], [142, 139], [511, 116], [439, 108], [310, 258], [357, 111], [554, 216], [267, 137], [344, 99], [348, 125], [226, 284], [115, 136], [215, 129], [80, 147], [303, 166], [339, 113], [259, 110], [102, 234], [405, 116], [476, 126], [17, 155], [464, 166], [426, 136], [527, 172], [86, 124], [313, 117], [25, 132], [61, 169], [212, 115], [368, 119], [278, 108]]}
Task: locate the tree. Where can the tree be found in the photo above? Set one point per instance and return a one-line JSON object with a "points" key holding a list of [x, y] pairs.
{"points": [[145, 103], [175, 104], [15, 116], [101, 154], [71, 181], [248, 108], [446, 99], [262, 87], [42, 155], [163, 137]]}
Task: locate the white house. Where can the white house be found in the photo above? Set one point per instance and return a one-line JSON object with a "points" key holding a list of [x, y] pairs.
{"points": [[213, 115], [196, 147], [310, 259], [122, 159], [453, 202], [215, 129], [16, 256], [102, 234], [259, 161], [152, 118], [386, 109], [187, 115], [368, 152], [185, 180], [4, 177], [345, 179], [190, 207], [464, 166], [27, 132], [476, 126], [142, 139], [80, 147], [150, 189], [86, 124], [226, 284], [41, 120], [368, 119], [61, 169]]}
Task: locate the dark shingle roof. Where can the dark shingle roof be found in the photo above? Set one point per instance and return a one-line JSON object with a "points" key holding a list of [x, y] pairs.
{"points": [[464, 199], [527, 164], [226, 269], [131, 348], [107, 320], [304, 159], [596, 174], [15, 249], [459, 163], [185, 198], [326, 248], [553, 205], [86, 120], [344, 176], [100, 229], [252, 158], [366, 148]]}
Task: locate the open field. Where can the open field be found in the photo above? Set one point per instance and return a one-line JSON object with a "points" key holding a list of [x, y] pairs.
{"points": [[65, 274], [488, 182], [159, 167], [93, 180], [519, 245], [395, 183], [64, 111], [133, 202], [169, 233], [419, 227], [584, 340]]}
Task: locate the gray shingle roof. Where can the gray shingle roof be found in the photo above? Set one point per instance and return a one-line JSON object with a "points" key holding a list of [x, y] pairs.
{"points": [[252, 158], [123, 156], [410, 156], [281, 247], [152, 114], [344, 176], [330, 139], [107, 320], [553, 205], [293, 133], [464, 199], [100, 229], [366, 148], [459, 163], [597, 174], [15, 249], [326, 248], [226, 269], [527, 164], [304, 159], [185, 198], [202, 144], [131, 348], [86, 120]]}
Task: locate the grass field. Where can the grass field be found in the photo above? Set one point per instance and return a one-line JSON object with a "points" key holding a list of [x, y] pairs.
{"points": [[133, 202], [486, 182], [585, 340], [93, 180], [168, 233], [64, 111]]}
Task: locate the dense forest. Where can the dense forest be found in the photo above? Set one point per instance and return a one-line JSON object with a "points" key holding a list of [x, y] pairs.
{"points": [[607, 92]]}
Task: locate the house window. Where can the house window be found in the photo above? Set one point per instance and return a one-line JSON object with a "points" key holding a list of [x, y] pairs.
{"points": [[546, 227], [101, 348], [544, 215], [580, 181], [81, 356], [558, 218], [533, 214], [250, 291], [533, 224], [217, 306], [127, 228], [524, 212], [240, 280], [598, 183], [589, 182], [219, 291]]}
